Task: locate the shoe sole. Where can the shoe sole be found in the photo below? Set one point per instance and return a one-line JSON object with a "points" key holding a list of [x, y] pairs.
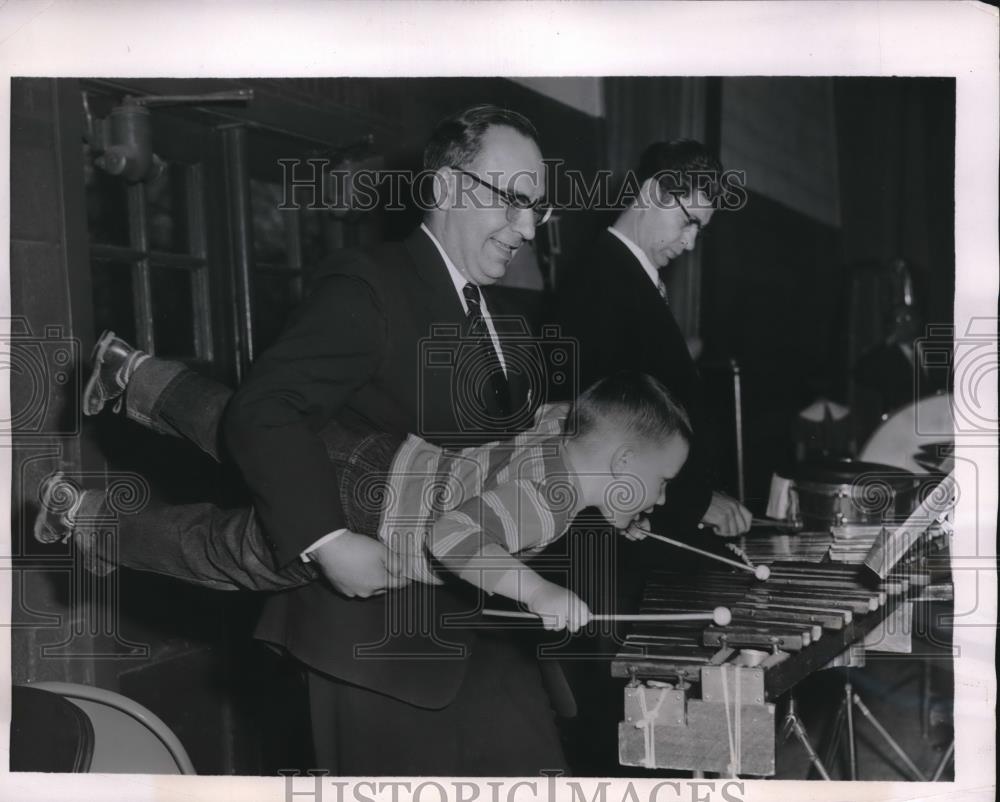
{"points": [[42, 531], [96, 360]]}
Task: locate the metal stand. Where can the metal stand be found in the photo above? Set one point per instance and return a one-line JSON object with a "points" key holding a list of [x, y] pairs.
{"points": [[851, 701], [793, 724], [944, 762]]}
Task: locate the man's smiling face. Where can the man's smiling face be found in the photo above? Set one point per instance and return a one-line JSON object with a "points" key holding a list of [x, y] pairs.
{"points": [[478, 235]]}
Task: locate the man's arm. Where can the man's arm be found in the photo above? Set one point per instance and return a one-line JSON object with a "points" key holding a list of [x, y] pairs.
{"points": [[331, 348]]}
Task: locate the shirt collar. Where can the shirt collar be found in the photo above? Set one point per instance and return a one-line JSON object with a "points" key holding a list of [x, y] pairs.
{"points": [[456, 277], [638, 253]]}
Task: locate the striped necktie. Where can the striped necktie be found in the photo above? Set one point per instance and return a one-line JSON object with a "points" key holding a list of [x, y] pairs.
{"points": [[486, 351], [661, 286]]}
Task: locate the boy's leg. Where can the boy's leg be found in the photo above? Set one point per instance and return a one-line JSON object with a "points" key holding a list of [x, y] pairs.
{"points": [[196, 543], [364, 464], [159, 394]]}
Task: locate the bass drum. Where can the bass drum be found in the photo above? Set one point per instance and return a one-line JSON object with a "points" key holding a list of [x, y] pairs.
{"points": [[918, 438]]}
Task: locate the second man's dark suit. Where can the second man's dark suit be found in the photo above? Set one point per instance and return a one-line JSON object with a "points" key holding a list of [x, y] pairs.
{"points": [[359, 350], [614, 311]]}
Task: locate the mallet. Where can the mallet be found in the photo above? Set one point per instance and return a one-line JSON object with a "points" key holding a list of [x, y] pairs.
{"points": [[720, 616], [762, 572]]}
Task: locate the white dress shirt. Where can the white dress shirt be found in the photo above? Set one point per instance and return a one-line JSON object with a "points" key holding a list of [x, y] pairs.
{"points": [[460, 281]]}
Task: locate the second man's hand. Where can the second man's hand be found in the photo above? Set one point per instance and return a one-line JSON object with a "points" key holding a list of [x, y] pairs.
{"points": [[358, 566], [727, 516]]}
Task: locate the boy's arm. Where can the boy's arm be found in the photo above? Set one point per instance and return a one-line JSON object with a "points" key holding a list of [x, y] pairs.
{"points": [[475, 542], [497, 571]]}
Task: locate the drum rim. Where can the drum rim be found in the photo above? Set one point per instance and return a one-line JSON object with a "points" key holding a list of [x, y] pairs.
{"points": [[811, 474]]}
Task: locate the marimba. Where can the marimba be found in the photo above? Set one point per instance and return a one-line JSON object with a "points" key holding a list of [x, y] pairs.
{"points": [[702, 698]]}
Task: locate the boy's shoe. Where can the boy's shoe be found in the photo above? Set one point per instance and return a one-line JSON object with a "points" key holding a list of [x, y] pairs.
{"points": [[59, 500], [58, 497], [113, 361]]}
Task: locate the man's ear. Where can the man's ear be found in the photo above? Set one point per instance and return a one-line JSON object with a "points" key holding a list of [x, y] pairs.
{"points": [[443, 188], [621, 459], [649, 195]]}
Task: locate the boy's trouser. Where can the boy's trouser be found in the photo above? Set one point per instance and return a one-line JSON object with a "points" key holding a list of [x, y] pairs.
{"points": [[224, 549]]}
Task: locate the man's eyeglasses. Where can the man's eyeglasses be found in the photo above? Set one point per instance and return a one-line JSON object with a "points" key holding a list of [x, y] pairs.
{"points": [[691, 221], [515, 202]]}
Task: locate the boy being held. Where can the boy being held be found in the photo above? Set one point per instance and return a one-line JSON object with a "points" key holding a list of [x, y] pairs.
{"points": [[469, 512]]}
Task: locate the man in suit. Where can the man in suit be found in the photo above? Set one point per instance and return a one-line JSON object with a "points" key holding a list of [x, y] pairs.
{"points": [[402, 338], [614, 304], [621, 285]]}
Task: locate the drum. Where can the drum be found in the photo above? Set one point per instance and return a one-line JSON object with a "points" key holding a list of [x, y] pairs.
{"points": [[917, 437], [838, 492]]}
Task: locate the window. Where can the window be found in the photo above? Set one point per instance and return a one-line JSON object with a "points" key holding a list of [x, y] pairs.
{"points": [[287, 245], [148, 259]]}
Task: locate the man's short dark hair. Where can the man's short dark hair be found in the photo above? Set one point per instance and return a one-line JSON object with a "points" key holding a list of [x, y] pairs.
{"points": [[681, 166], [633, 401], [457, 140]]}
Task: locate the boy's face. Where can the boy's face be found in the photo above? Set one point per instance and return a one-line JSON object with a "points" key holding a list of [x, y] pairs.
{"points": [[639, 477]]}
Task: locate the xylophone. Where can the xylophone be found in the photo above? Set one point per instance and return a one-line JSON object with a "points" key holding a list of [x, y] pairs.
{"points": [[702, 698]]}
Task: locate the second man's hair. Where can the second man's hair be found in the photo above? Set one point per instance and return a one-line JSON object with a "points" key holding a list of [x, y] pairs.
{"points": [[681, 166]]}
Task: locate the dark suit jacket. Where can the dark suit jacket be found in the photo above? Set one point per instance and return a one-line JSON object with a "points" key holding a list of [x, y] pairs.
{"points": [[620, 322], [374, 346]]}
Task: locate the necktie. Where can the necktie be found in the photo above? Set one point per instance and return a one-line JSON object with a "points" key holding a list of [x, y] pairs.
{"points": [[662, 288], [489, 369]]}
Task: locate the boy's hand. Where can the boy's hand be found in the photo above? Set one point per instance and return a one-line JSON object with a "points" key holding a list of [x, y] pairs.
{"points": [[559, 608], [358, 566], [637, 530], [727, 516]]}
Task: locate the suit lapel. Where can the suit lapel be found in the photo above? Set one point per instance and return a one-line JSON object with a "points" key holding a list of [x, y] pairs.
{"points": [[433, 286]]}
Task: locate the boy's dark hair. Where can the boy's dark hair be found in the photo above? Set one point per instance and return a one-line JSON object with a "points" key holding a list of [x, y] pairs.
{"points": [[456, 141], [634, 401], [681, 166]]}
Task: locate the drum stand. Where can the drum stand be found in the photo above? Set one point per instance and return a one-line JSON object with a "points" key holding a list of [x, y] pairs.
{"points": [[851, 701], [793, 725]]}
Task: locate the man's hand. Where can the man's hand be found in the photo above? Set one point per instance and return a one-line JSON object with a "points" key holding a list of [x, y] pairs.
{"points": [[559, 608], [357, 565], [727, 516]]}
